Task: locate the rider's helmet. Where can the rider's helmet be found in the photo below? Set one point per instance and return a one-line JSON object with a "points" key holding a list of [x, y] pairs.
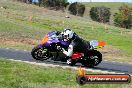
{"points": [[67, 34]]}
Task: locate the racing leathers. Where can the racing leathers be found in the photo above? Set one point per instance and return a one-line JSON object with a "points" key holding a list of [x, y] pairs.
{"points": [[77, 44]]}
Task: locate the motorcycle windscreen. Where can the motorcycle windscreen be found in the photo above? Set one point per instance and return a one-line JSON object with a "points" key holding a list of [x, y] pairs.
{"points": [[97, 44], [44, 40]]}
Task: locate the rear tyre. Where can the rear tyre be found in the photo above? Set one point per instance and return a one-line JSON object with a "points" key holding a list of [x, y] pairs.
{"points": [[95, 57], [40, 53]]}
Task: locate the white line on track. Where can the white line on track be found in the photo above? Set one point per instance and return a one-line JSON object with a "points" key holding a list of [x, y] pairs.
{"points": [[116, 62], [105, 60], [67, 67], [25, 50], [17, 49], [7, 48]]}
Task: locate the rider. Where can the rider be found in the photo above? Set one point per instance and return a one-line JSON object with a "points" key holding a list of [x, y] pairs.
{"points": [[77, 44]]}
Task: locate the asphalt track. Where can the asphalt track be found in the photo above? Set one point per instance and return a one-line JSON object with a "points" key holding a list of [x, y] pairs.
{"points": [[104, 65]]}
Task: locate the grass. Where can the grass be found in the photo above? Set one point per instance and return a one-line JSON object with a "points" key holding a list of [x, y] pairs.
{"points": [[22, 26], [22, 75], [114, 6]]}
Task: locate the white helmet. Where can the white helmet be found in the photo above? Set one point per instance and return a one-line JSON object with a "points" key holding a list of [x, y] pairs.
{"points": [[67, 34]]}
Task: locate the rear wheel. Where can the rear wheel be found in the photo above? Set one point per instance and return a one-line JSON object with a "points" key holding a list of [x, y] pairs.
{"points": [[94, 58], [40, 53]]}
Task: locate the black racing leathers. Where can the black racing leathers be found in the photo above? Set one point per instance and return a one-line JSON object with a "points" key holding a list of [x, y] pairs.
{"points": [[79, 45]]}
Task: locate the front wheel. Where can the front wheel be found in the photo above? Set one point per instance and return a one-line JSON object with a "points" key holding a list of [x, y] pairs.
{"points": [[40, 53]]}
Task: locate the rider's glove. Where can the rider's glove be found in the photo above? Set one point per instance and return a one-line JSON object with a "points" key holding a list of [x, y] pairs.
{"points": [[59, 48], [58, 32]]}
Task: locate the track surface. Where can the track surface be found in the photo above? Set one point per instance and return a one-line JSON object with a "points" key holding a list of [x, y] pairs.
{"points": [[26, 56]]}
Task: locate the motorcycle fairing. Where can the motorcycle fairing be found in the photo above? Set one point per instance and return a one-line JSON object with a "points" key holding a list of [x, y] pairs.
{"points": [[97, 44]]}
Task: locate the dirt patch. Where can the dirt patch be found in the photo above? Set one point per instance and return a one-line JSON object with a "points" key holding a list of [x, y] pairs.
{"points": [[21, 40], [110, 50], [130, 33], [114, 54]]}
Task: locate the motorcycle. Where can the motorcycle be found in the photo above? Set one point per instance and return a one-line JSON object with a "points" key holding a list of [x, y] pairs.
{"points": [[91, 58], [51, 47]]}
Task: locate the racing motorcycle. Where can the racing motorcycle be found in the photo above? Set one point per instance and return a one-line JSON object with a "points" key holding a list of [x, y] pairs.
{"points": [[51, 47], [91, 58]]}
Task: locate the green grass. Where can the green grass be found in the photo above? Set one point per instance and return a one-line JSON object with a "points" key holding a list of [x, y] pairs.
{"points": [[15, 25], [114, 8], [22, 75], [112, 5]]}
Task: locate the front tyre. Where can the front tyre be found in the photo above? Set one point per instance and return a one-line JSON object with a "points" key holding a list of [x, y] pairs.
{"points": [[40, 53]]}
